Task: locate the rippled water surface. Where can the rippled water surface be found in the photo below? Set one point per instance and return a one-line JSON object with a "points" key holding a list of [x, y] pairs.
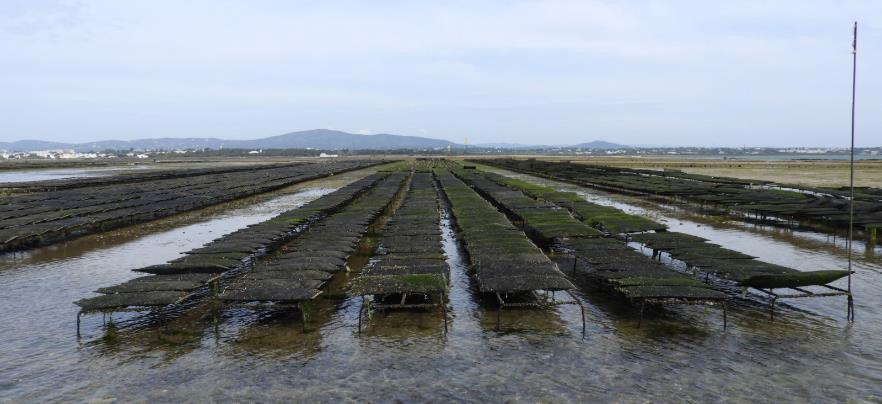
{"points": [[206, 353]]}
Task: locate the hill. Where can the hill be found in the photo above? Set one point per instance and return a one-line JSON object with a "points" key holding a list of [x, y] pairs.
{"points": [[600, 144], [317, 139]]}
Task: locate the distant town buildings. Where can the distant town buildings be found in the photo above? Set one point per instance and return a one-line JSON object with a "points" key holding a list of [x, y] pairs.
{"points": [[55, 154], [809, 150]]}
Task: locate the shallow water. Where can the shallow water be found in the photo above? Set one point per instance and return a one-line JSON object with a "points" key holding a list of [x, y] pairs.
{"points": [[43, 174], [681, 354], [59, 173]]}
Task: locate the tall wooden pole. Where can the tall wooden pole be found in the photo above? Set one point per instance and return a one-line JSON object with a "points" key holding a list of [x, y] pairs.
{"points": [[851, 201]]}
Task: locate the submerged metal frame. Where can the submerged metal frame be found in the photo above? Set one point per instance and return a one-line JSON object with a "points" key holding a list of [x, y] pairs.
{"points": [[211, 287], [683, 300], [540, 302], [802, 292], [366, 307], [260, 305], [159, 309]]}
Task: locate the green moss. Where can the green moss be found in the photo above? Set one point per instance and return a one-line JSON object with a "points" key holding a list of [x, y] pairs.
{"points": [[620, 222], [790, 280], [297, 220], [388, 284], [659, 281]]}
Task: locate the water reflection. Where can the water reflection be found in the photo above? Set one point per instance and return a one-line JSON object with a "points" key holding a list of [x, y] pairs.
{"points": [[279, 333], [60, 173]]}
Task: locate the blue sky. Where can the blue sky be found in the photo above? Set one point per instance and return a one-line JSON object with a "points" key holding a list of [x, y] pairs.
{"points": [[653, 73]]}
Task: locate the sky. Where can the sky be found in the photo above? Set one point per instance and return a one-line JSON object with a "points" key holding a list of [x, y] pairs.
{"points": [[660, 73]]}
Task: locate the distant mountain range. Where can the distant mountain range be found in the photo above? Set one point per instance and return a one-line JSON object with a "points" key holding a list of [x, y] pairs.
{"points": [[600, 144], [324, 139]]}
